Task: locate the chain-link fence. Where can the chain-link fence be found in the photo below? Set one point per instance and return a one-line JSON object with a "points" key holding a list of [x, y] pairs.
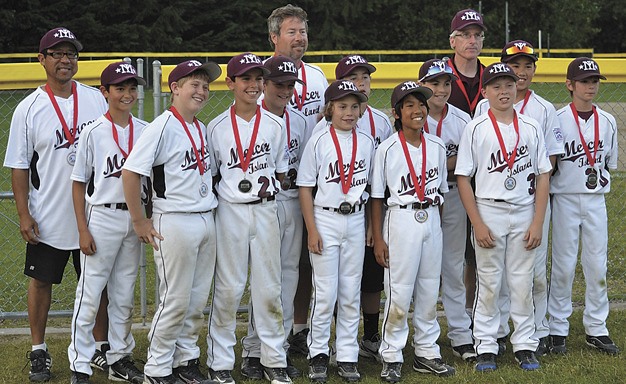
{"points": [[13, 284]]}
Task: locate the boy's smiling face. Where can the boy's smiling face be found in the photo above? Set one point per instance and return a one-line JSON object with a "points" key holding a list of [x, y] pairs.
{"points": [[247, 87], [190, 93]]}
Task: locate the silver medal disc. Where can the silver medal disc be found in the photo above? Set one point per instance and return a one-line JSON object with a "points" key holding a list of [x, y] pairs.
{"points": [[286, 183], [71, 158], [204, 190], [345, 208], [244, 186], [509, 183], [592, 179], [421, 216]]}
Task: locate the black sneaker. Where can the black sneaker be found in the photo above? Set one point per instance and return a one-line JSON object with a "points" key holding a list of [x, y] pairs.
{"points": [[297, 342], [125, 370], [79, 378], [501, 345], [369, 347], [527, 360], [392, 372], [435, 366], [40, 363], [170, 379], [99, 359], [602, 344], [222, 377], [486, 362], [276, 375], [465, 352], [557, 344], [542, 348], [251, 368], [348, 371], [318, 368], [190, 373], [292, 371]]}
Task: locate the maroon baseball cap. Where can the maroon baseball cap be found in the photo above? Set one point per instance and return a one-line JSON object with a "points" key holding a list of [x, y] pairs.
{"points": [[496, 70], [119, 72], [517, 48], [406, 88], [281, 70], [188, 67], [435, 68], [243, 63], [348, 64], [342, 88], [465, 18], [56, 36], [582, 68]]}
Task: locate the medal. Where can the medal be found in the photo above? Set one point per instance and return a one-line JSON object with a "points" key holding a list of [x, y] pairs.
{"points": [[71, 158], [592, 178], [204, 190], [244, 186], [421, 216], [509, 183], [286, 183], [345, 208]]}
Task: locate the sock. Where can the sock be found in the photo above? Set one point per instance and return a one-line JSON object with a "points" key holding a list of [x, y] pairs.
{"points": [[370, 325], [297, 328], [99, 344], [40, 346]]}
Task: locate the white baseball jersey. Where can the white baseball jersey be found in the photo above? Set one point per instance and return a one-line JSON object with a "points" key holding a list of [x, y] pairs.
{"points": [[480, 155], [451, 128], [316, 84], [320, 166], [99, 160], [571, 167], [541, 110], [269, 155], [37, 142], [295, 148], [165, 153], [392, 171]]}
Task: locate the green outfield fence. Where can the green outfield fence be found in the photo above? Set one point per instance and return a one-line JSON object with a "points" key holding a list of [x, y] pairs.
{"points": [[13, 284]]}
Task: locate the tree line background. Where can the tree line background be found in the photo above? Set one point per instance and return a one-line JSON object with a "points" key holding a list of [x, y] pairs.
{"points": [[240, 25]]}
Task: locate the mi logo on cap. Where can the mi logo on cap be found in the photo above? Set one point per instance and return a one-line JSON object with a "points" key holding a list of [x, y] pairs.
{"points": [[288, 66], [347, 86], [64, 34], [194, 63], [356, 59], [250, 59], [588, 65], [499, 68], [125, 68], [471, 16], [409, 85]]}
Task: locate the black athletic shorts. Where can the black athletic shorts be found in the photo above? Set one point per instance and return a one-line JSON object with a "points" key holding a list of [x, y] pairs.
{"points": [[46, 263]]}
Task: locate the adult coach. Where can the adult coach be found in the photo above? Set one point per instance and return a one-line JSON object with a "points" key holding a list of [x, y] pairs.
{"points": [[288, 33], [467, 33], [41, 152]]}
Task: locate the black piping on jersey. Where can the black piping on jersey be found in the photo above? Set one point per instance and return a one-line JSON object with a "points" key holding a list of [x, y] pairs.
{"points": [[158, 181], [34, 175]]}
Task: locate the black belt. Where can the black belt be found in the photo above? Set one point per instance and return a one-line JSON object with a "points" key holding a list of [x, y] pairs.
{"points": [[354, 208], [423, 205], [263, 200], [121, 206]]}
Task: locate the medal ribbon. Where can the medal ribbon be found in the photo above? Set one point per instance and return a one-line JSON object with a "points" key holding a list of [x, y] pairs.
{"points": [[526, 98], [301, 99], [115, 137], [596, 134], [510, 160], [419, 187], [459, 82], [70, 135], [440, 122], [245, 160], [199, 159], [345, 181], [372, 126]]}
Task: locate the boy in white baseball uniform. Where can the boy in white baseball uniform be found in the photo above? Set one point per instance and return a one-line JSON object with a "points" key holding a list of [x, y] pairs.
{"points": [[447, 122], [357, 69], [338, 162], [173, 152], [521, 57], [110, 250], [41, 152], [248, 146], [279, 85], [578, 186], [411, 166], [505, 151]]}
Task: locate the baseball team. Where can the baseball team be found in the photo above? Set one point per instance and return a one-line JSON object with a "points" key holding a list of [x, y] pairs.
{"points": [[316, 201]]}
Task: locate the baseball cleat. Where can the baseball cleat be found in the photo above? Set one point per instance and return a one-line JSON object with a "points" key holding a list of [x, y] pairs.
{"points": [[435, 366], [40, 363], [465, 352], [392, 372], [486, 362], [602, 344], [527, 360]]}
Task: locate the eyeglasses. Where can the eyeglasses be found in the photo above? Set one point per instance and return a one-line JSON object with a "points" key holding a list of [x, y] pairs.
{"points": [[515, 49], [466, 36], [438, 68], [58, 55]]}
